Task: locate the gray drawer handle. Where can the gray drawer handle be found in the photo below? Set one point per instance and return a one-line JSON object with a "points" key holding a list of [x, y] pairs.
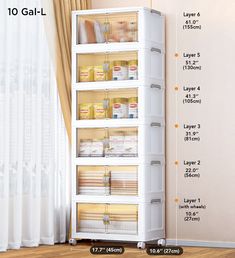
{"points": [[156, 201], [155, 86], [155, 124], [156, 12], [154, 49], [155, 162]]}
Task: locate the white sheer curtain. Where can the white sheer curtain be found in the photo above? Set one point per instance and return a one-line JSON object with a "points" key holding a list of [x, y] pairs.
{"points": [[34, 152]]}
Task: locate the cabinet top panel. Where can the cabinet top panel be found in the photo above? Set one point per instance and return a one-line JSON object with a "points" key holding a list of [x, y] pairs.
{"points": [[113, 10]]}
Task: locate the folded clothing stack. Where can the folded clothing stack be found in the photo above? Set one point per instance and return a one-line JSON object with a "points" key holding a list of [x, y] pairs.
{"points": [[91, 218], [113, 218], [108, 183], [124, 183], [94, 183]]}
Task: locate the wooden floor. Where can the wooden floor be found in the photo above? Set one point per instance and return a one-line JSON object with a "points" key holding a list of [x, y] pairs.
{"points": [[82, 251]]}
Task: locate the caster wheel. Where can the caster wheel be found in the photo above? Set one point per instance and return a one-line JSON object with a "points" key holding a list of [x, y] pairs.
{"points": [[72, 241], [161, 242], [94, 240], [141, 245]]}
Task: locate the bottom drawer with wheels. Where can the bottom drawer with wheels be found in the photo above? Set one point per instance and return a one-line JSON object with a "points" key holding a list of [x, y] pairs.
{"points": [[107, 218]]}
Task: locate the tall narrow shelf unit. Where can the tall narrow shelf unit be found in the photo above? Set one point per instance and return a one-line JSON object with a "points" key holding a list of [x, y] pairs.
{"points": [[118, 163]]}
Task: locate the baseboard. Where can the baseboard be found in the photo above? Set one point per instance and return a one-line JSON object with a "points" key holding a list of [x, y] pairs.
{"points": [[200, 243]]}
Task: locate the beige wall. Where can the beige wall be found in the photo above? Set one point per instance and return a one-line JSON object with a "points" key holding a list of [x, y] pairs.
{"points": [[216, 150]]}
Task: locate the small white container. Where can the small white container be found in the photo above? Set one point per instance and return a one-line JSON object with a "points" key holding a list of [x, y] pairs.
{"points": [[97, 148], [133, 107], [131, 145], [85, 148], [120, 108], [120, 70], [133, 70]]}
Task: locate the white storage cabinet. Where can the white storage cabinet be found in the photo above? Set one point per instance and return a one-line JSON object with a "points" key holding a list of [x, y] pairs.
{"points": [[118, 181]]}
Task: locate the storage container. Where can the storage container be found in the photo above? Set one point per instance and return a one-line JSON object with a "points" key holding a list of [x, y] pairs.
{"points": [[120, 108], [126, 142], [133, 69], [97, 148], [103, 72], [137, 24], [108, 218], [100, 112], [85, 147], [118, 161], [107, 180], [111, 65], [107, 28], [120, 70], [86, 73], [133, 107], [150, 99], [86, 111]]}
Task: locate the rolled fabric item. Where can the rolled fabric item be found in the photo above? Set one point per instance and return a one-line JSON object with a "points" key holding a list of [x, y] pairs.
{"points": [[99, 32], [82, 33], [89, 26]]}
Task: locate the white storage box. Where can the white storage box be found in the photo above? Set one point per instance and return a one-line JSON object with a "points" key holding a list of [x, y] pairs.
{"points": [[150, 64], [125, 25], [150, 100], [118, 158], [107, 218], [107, 180], [124, 142], [128, 222]]}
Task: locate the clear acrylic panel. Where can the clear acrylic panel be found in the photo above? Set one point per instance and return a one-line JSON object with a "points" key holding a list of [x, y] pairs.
{"points": [[107, 104], [107, 142], [107, 28], [107, 180]]}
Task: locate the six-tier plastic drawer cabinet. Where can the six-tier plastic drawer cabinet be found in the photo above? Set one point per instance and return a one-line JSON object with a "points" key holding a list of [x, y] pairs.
{"points": [[118, 125]]}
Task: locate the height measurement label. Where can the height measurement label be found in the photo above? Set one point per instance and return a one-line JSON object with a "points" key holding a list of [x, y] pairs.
{"points": [[192, 95], [192, 169], [192, 21], [192, 208], [191, 61], [192, 132]]}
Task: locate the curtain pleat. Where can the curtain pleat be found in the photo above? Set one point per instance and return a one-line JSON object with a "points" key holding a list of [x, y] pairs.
{"points": [[34, 168]]}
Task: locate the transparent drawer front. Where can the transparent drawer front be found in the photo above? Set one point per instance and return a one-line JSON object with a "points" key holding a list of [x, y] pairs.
{"points": [[106, 104], [107, 218], [107, 142], [93, 181], [116, 66], [90, 217], [107, 180], [101, 28]]}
